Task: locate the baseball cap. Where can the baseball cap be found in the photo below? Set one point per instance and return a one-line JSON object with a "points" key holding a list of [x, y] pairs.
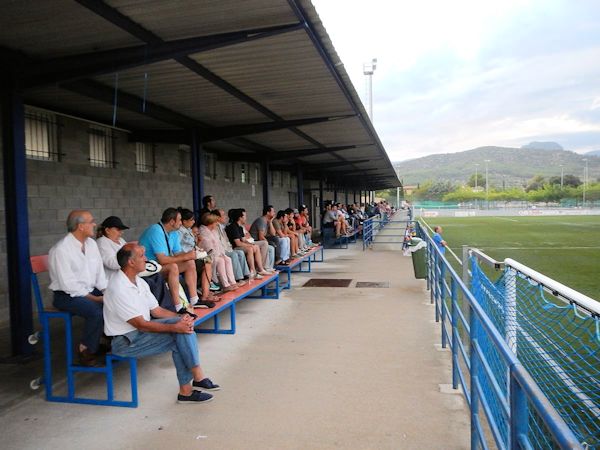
{"points": [[114, 222]]}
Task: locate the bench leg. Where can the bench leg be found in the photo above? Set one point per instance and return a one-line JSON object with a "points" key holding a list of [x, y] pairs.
{"points": [[288, 283], [216, 329]]}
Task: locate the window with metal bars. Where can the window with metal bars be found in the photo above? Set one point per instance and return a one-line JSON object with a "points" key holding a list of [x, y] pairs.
{"points": [[185, 167], [257, 173], [243, 174], [144, 157], [210, 166], [102, 149], [41, 135], [230, 171], [275, 177]]}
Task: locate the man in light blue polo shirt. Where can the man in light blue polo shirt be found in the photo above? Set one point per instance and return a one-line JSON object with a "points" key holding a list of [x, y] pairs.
{"points": [[162, 244]]}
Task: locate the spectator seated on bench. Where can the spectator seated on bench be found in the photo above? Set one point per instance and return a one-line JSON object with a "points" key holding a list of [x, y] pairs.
{"points": [[140, 327], [299, 236], [237, 236], [191, 241], [162, 244], [331, 220], [222, 263], [282, 232], [262, 231], [303, 225], [109, 239], [241, 270], [77, 278]]}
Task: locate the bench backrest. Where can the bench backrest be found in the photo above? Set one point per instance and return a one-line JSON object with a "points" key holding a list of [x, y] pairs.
{"points": [[39, 264]]}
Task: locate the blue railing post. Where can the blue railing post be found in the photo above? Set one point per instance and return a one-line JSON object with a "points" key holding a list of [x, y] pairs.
{"points": [[443, 304], [474, 363], [455, 336], [519, 413], [438, 287]]}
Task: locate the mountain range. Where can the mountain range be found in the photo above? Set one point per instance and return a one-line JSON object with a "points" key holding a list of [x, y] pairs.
{"points": [[507, 166]]}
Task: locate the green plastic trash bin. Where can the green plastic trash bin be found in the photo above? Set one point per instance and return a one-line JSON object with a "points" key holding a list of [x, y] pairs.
{"points": [[419, 257]]}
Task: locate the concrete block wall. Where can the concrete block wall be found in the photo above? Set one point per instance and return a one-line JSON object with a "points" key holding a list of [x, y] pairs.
{"points": [[138, 198], [235, 194]]}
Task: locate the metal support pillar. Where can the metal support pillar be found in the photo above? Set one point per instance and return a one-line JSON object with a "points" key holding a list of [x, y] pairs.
{"points": [[17, 222], [335, 197], [353, 195], [346, 197], [300, 186], [198, 171], [321, 203], [266, 182]]}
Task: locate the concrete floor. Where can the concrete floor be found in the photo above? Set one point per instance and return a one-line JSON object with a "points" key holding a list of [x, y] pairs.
{"points": [[320, 368]]}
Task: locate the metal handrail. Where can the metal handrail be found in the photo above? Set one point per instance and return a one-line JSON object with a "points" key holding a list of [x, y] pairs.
{"points": [[557, 289], [523, 389]]}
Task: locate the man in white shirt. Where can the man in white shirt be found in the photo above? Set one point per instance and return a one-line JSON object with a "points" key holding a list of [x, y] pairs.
{"points": [[77, 278], [129, 310]]}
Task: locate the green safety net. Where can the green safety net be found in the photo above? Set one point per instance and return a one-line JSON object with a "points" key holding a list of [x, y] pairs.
{"points": [[556, 341]]}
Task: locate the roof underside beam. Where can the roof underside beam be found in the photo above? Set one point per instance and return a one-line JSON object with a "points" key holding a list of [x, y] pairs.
{"points": [[316, 167], [97, 63], [310, 152], [107, 94], [221, 133]]}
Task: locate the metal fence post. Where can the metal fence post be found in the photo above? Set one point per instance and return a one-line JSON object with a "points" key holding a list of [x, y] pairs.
{"points": [[444, 308], [454, 316], [441, 289], [519, 413], [510, 319], [436, 286], [465, 265], [431, 269], [474, 370]]}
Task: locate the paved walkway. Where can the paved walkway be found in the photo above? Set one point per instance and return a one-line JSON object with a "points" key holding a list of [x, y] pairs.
{"points": [[352, 368]]}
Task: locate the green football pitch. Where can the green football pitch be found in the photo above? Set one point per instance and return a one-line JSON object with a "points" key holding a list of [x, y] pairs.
{"points": [[565, 248]]}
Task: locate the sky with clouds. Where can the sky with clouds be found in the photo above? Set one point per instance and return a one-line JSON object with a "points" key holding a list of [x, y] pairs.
{"points": [[455, 75]]}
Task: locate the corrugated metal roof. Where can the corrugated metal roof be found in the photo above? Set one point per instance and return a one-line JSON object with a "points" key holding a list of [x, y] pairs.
{"points": [[288, 76], [170, 84]]}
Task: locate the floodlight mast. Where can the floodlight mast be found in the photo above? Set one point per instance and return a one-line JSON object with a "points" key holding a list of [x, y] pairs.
{"points": [[368, 70], [487, 188], [585, 176]]}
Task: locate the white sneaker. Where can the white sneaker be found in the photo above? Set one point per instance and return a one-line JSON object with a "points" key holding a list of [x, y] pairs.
{"points": [[258, 276]]}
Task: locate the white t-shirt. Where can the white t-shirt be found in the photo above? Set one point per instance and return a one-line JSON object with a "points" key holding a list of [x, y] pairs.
{"points": [[73, 271], [108, 251], [123, 301]]}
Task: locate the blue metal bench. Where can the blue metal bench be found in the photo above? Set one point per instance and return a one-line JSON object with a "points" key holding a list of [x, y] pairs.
{"points": [[39, 264], [298, 264], [329, 239], [229, 300]]}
